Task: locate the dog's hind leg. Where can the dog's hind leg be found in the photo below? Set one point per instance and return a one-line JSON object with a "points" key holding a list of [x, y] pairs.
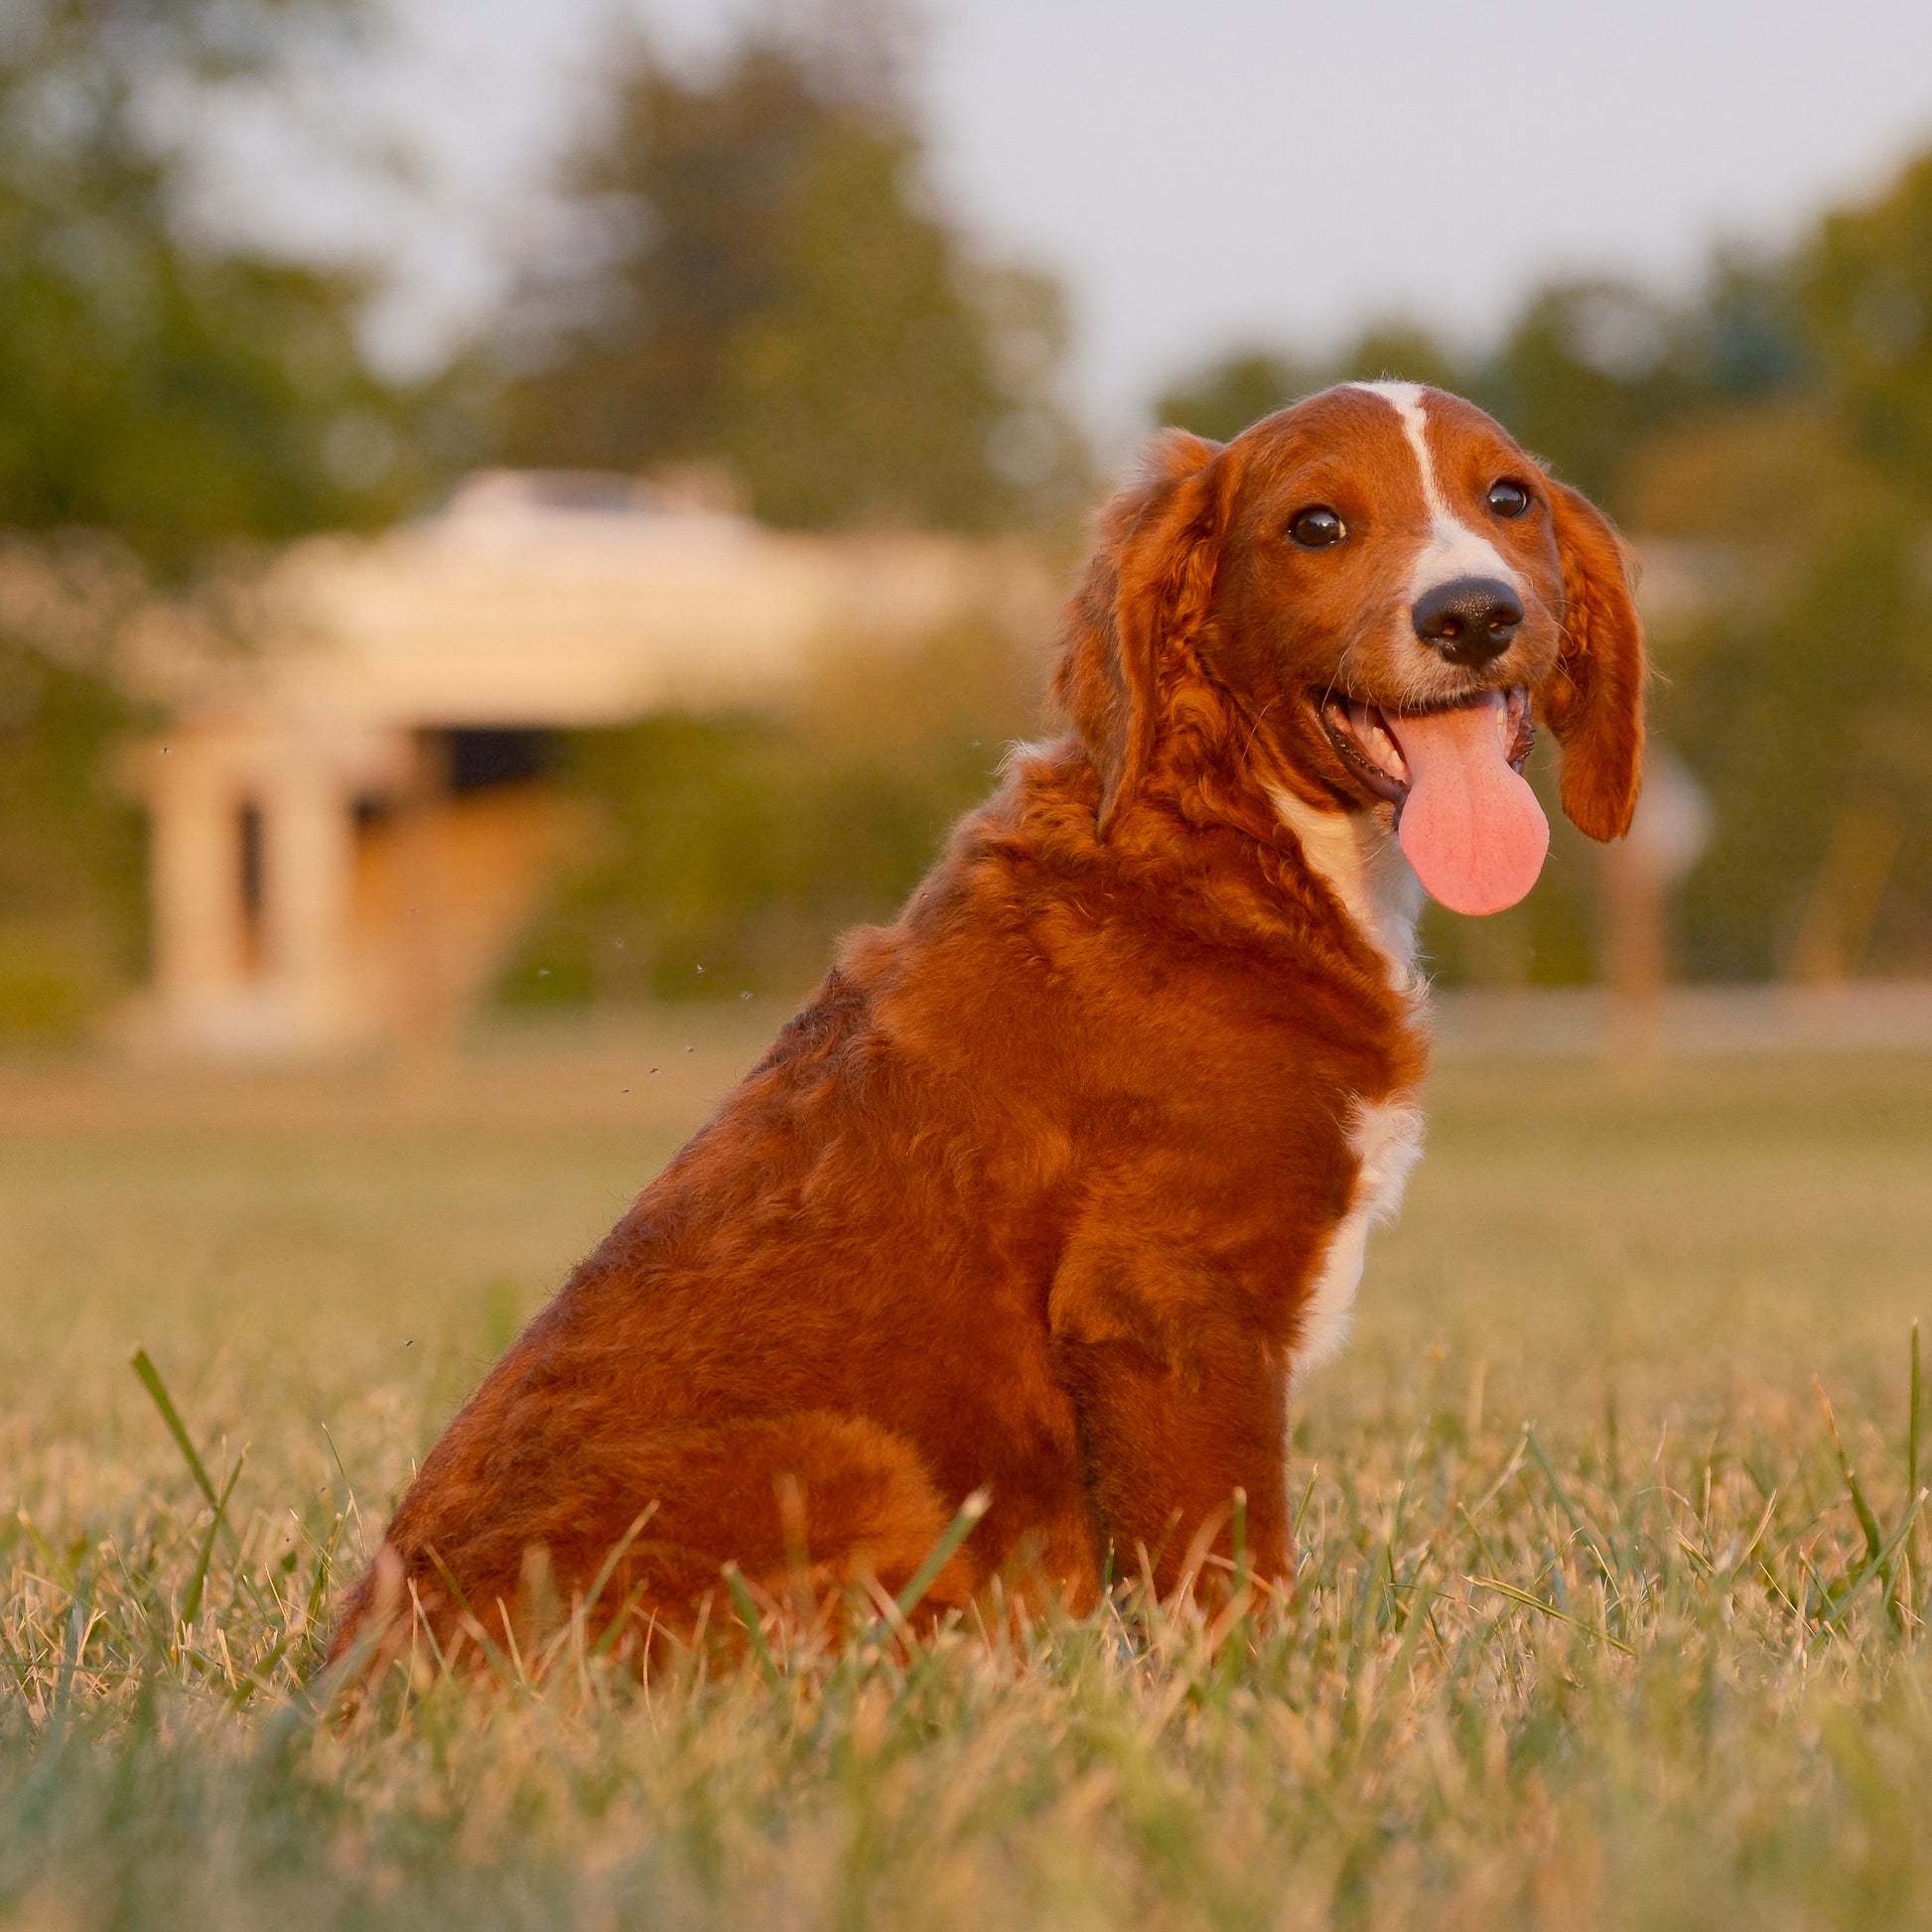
{"points": [[642, 1526]]}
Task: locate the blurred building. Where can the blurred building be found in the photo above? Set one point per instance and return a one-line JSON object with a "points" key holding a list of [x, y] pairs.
{"points": [[349, 808]]}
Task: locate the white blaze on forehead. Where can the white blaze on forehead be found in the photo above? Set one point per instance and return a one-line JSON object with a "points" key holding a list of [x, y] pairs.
{"points": [[1451, 549]]}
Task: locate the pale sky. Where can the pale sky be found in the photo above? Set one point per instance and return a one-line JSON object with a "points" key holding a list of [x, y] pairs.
{"points": [[1206, 174]]}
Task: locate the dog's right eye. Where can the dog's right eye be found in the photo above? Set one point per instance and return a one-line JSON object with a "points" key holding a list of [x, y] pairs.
{"points": [[1316, 528]]}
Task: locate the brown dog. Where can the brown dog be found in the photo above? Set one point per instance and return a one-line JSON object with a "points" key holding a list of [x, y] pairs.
{"points": [[1058, 1181]]}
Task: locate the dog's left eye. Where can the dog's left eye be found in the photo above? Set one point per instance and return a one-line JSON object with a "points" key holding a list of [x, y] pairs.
{"points": [[1316, 528], [1508, 498]]}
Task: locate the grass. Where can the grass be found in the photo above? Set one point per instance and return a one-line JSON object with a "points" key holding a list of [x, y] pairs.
{"points": [[1607, 1615]]}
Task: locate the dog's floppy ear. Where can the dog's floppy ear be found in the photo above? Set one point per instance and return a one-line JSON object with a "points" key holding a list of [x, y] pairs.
{"points": [[1148, 586], [1593, 699]]}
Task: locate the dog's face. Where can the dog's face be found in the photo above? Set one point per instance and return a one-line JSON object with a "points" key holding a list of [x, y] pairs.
{"points": [[1384, 555], [1363, 577]]}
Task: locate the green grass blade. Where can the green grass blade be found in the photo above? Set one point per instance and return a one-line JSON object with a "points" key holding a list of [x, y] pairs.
{"points": [[965, 1521], [158, 1389], [501, 1663], [191, 1606], [748, 1614], [319, 1582], [1301, 1508], [1578, 1525], [1880, 1564], [614, 1630], [608, 1567], [1509, 1468], [80, 1624], [1911, 1423], [1876, 1548], [1915, 1556], [1530, 1602]]}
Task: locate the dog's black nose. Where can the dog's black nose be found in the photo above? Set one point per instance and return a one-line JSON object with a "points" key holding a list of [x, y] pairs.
{"points": [[1470, 619]]}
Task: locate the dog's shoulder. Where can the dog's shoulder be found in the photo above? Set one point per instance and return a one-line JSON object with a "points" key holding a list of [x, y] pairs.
{"points": [[1039, 957]]}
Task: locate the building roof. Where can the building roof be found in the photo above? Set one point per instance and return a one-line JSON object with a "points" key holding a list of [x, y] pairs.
{"points": [[570, 600]]}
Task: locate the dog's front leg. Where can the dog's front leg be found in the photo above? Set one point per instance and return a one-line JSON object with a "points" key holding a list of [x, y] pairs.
{"points": [[1183, 1401]]}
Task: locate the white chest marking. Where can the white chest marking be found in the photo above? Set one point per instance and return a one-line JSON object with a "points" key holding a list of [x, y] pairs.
{"points": [[1365, 867], [1451, 549], [1387, 1141]]}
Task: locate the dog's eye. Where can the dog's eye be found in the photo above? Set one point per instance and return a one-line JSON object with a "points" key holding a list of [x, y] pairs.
{"points": [[1316, 528], [1508, 498]]}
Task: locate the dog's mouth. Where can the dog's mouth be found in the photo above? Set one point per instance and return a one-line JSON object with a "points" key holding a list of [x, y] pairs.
{"points": [[1468, 823], [1364, 740]]}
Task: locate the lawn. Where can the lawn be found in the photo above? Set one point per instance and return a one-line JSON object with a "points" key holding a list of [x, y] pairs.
{"points": [[1603, 1619]]}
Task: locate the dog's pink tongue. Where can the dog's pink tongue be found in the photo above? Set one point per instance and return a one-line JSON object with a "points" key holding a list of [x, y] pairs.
{"points": [[1470, 826]]}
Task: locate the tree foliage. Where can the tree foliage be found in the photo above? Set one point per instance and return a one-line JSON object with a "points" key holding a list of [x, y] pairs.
{"points": [[164, 397], [1863, 288], [1220, 400], [69, 850], [769, 287], [152, 384], [734, 848]]}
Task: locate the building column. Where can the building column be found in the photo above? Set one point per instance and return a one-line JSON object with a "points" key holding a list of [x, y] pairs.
{"points": [[308, 853], [195, 878]]}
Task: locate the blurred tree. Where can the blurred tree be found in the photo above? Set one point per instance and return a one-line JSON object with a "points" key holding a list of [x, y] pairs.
{"points": [[1220, 400], [1864, 285], [1744, 340], [1585, 374], [1806, 708], [1592, 370], [763, 281], [1766, 481], [734, 848], [156, 393], [1800, 471], [1224, 396], [1397, 351], [150, 384], [69, 850]]}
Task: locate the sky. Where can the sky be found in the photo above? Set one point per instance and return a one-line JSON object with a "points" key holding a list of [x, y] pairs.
{"points": [[1200, 175]]}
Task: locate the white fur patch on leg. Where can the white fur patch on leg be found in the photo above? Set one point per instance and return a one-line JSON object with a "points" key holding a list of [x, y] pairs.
{"points": [[1387, 1139]]}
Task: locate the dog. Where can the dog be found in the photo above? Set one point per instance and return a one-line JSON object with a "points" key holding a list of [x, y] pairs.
{"points": [[1060, 1180]]}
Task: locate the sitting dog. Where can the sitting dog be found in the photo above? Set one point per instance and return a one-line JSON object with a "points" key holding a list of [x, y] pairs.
{"points": [[1059, 1180]]}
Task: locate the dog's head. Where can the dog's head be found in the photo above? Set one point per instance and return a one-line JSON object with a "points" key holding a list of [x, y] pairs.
{"points": [[1380, 589]]}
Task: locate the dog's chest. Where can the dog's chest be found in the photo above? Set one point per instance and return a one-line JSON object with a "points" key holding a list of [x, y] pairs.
{"points": [[1386, 1140], [1363, 866]]}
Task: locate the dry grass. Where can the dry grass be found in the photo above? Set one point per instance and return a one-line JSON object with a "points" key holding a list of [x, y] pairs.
{"points": [[1595, 1626]]}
